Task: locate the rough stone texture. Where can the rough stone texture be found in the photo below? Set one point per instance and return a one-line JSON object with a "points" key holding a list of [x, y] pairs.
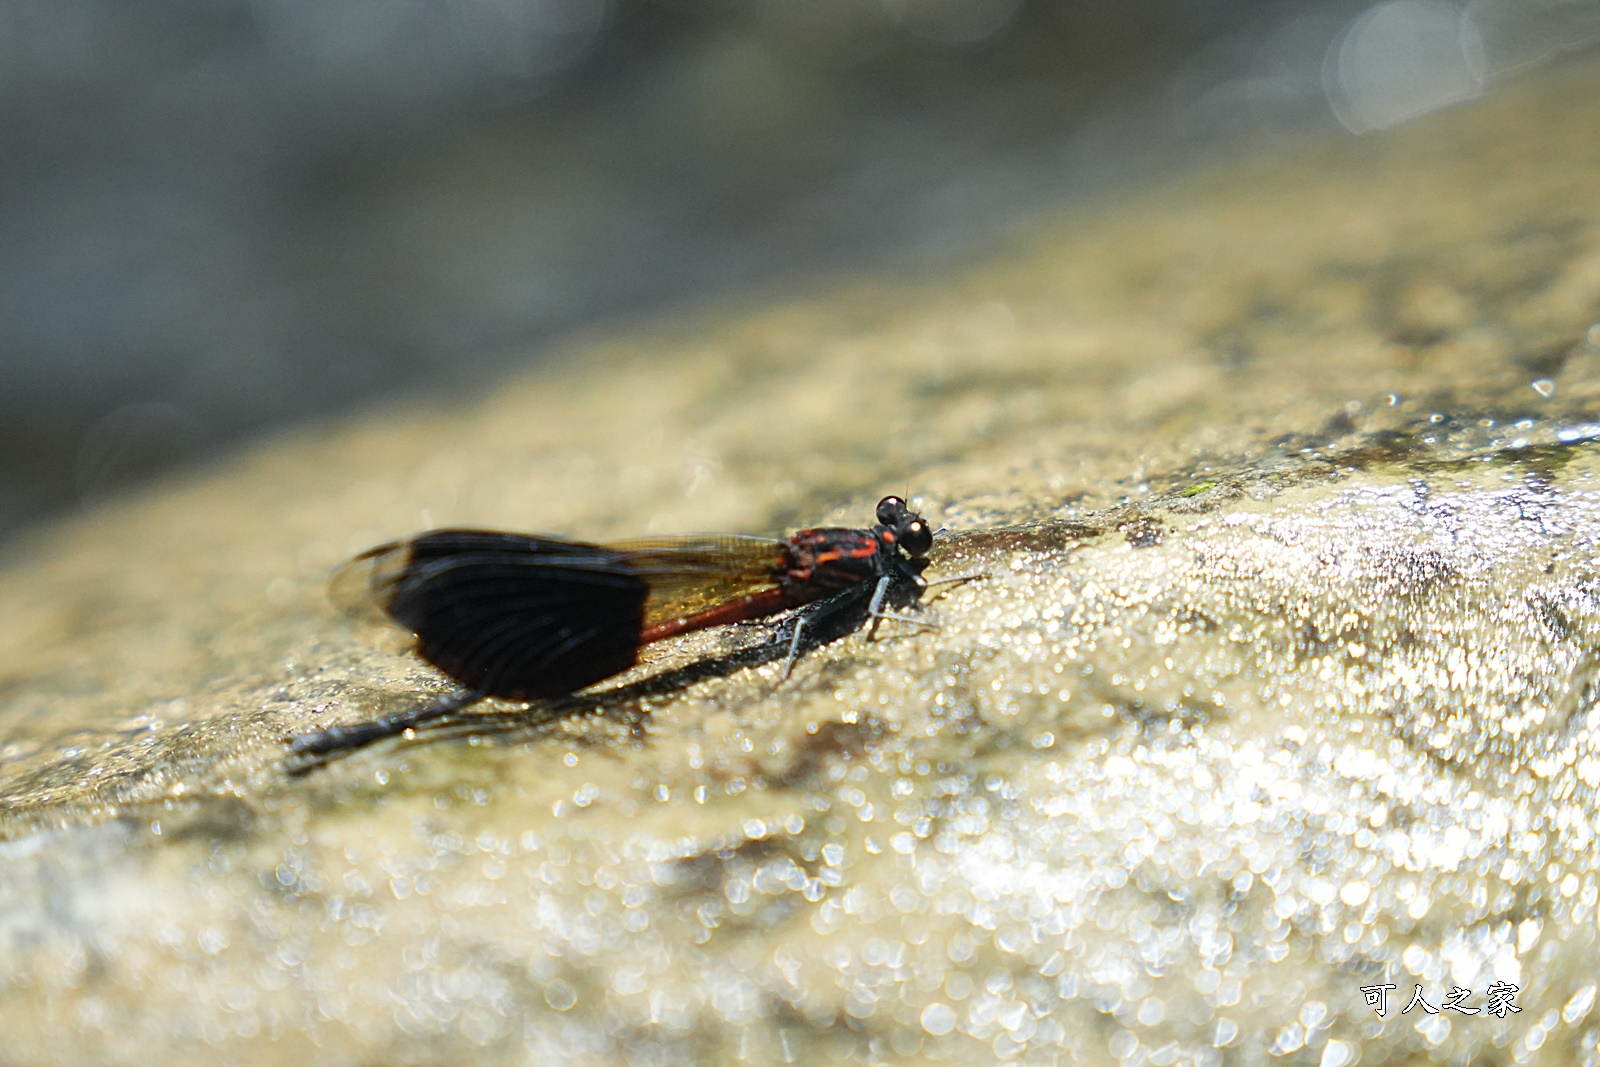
{"points": [[1280, 680]]}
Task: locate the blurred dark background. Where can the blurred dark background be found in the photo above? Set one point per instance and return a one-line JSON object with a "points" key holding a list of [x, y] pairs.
{"points": [[218, 217]]}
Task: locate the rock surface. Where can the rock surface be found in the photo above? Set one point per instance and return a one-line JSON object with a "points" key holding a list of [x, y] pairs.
{"points": [[1280, 679]]}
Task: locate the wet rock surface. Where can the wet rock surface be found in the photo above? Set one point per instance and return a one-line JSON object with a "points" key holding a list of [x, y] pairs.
{"points": [[1278, 682]]}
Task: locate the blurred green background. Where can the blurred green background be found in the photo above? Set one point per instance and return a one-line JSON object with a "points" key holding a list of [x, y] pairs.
{"points": [[222, 216]]}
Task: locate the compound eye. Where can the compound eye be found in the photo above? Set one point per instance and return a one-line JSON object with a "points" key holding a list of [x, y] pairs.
{"points": [[892, 510], [916, 538]]}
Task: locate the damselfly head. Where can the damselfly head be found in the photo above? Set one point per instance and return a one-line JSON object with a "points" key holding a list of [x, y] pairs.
{"points": [[911, 531]]}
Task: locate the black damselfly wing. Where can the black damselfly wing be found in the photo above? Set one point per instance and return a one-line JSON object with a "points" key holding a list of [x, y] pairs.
{"points": [[527, 617]]}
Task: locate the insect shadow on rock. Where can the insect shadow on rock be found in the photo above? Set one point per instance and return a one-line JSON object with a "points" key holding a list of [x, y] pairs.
{"points": [[528, 618]]}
